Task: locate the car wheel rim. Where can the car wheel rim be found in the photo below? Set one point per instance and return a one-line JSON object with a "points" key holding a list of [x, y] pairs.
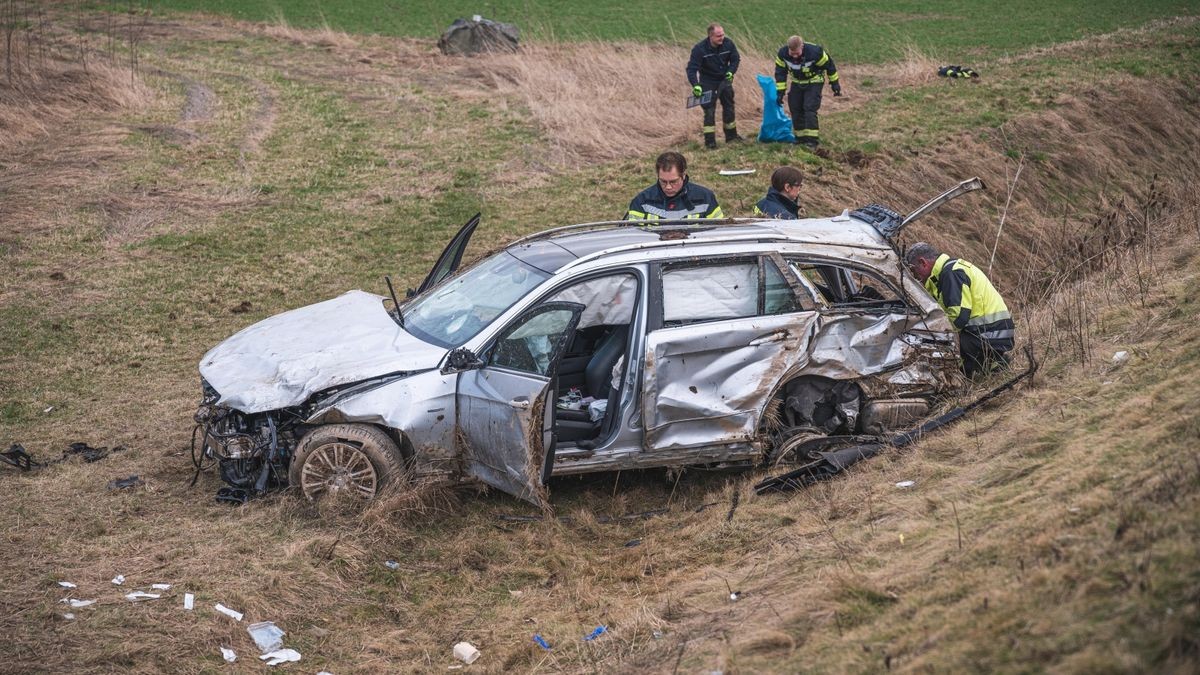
{"points": [[339, 469]]}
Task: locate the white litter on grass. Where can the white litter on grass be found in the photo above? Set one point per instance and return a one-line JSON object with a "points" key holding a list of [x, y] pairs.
{"points": [[906, 484], [228, 654], [78, 603], [231, 613], [47, 410], [67, 584], [281, 656], [119, 579], [189, 601], [69, 616], [736, 172], [466, 652], [161, 587], [1120, 358], [141, 595], [267, 636]]}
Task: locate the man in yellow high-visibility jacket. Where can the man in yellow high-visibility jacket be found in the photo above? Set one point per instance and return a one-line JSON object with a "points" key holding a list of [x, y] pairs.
{"points": [[984, 324]]}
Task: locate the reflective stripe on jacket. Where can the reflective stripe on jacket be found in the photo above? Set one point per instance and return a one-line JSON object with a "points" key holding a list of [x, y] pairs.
{"points": [[777, 205], [708, 64], [971, 302], [692, 201], [810, 67]]}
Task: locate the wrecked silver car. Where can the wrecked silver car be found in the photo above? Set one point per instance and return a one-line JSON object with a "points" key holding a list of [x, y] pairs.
{"points": [[593, 347]]}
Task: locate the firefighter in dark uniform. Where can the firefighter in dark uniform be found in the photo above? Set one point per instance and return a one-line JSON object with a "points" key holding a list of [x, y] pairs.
{"points": [[712, 66], [985, 327], [808, 65], [782, 196], [673, 196]]}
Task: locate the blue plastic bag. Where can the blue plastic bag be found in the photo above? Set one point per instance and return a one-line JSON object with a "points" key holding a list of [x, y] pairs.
{"points": [[776, 125]]}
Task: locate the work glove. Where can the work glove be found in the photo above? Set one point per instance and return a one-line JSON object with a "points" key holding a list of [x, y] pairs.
{"points": [[779, 98], [729, 76], [837, 88], [697, 90]]}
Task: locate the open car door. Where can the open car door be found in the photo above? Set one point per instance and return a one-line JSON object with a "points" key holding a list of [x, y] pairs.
{"points": [[451, 257], [504, 415]]}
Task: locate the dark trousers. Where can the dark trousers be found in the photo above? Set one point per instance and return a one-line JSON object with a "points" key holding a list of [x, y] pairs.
{"points": [[804, 100], [980, 357], [728, 117]]}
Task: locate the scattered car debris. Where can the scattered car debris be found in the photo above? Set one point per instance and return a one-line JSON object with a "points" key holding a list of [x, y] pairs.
{"points": [[657, 635], [118, 580], [18, 457], [541, 642], [228, 654], [231, 613], [131, 482], [734, 596], [88, 453], [633, 542], [161, 587], [141, 595], [267, 636], [1120, 358], [189, 601], [69, 616], [392, 565], [906, 484], [599, 630], [234, 496], [281, 656], [48, 410], [78, 603], [67, 584], [736, 172], [466, 652]]}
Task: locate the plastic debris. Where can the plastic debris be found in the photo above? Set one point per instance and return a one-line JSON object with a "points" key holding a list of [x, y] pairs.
{"points": [[906, 484], [48, 410], [541, 642], [466, 652], [119, 579], [600, 630], [267, 636], [228, 654], [1120, 358], [633, 542], [78, 603], [161, 587], [189, 601], [69, 616], [734, 596], [141, 595], [231, 613], [658, 635], [392, 565], [126, 483], [280, 656], [736, 172], [67, 584]]}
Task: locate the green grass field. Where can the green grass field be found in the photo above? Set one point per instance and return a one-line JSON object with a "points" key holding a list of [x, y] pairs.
{"points": [[860, 31]]}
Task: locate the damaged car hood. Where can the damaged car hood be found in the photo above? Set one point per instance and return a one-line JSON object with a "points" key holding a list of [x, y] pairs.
{"points": [[281, 361]]}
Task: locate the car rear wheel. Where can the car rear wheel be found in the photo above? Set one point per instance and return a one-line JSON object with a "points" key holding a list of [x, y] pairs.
{"points": [[353, 460]]}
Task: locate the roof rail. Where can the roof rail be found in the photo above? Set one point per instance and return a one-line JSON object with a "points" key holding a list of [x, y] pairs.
{"points": [[688, 223]]}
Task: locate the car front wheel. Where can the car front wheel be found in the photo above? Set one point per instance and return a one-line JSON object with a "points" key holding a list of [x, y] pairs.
{"points": [[353, 460]]}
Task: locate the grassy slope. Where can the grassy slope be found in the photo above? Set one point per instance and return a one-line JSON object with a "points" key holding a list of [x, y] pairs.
{"points": [[159, 246]]}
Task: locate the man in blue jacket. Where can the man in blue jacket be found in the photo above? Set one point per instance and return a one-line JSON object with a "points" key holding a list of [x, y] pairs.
{"points": [[673, 197], [808, 65], [712, 66]]}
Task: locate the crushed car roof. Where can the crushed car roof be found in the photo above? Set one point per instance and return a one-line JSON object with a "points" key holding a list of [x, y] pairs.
{"points": [[553, 249]]}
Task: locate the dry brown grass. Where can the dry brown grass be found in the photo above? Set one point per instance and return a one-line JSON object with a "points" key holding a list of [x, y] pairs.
{"points": [[323, 37]]}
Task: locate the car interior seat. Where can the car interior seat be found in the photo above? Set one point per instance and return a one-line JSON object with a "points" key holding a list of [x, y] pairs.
{"points": [[577, 425]]}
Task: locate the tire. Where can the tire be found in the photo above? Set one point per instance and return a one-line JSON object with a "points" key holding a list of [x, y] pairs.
{"points": [[345, 459]]}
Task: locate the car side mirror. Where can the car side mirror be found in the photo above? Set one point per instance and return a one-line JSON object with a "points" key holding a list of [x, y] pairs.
{"points": [[461, 359]]}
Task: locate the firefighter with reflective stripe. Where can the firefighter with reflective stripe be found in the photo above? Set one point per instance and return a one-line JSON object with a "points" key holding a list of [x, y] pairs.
{"points": [[808, 65], [781, 198], [673, 196], [713, 63], [984, 324]]}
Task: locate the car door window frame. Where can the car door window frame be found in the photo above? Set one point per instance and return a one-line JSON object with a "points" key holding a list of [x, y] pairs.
{"points": [[909, 307], [656, 300]]}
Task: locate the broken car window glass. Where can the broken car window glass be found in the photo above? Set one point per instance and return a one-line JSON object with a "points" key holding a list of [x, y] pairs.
{"points": [[455, 312], [710, 292], [779, 298], [530, 345]]}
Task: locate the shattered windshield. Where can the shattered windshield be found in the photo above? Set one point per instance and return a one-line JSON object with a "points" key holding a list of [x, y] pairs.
{"points": [[457, 310]]}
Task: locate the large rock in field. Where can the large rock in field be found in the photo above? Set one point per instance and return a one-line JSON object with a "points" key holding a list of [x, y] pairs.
{"points": [[472, 36]]}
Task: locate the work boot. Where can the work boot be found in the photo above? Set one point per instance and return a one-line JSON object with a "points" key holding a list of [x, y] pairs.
{"points": [[710, 140], [734, 138]]}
